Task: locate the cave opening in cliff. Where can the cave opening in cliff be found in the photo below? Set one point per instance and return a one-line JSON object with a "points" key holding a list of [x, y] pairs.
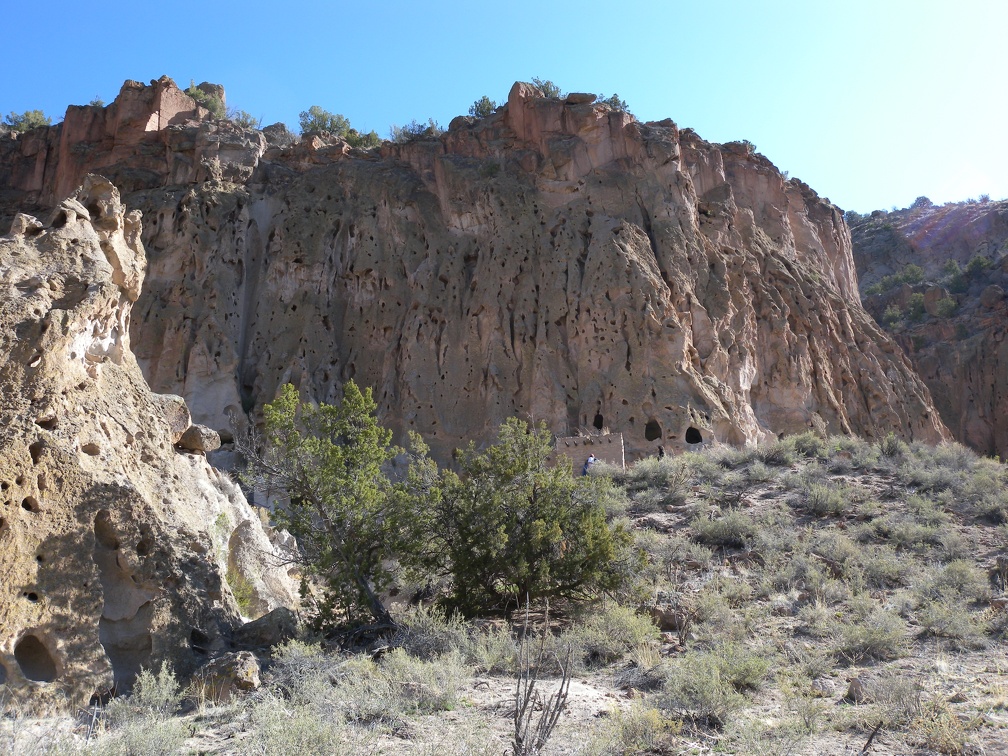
{"points": [[693, 436], [599, 423], [34, 659], [652, 431]]}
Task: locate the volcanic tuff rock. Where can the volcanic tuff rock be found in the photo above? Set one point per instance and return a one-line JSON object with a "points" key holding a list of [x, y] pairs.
{"points": [[557, 259], [112, 543], [958, 343]]}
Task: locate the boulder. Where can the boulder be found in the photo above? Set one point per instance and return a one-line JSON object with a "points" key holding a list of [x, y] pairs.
{"points": [[991, 296], [199, 438], [226, 676], [271, 629]]}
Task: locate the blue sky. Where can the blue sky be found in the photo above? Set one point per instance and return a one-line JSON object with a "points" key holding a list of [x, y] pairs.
{"points": [[873, 103]]}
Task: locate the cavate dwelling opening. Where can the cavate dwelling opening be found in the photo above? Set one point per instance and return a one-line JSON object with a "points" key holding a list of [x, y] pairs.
{"points": [[598, 422], [652, 431], [693, 436], [127, 609], [34, 659]]}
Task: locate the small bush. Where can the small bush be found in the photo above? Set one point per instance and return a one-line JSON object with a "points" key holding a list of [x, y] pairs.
{"points": [[206, 100], [809, 444], [415, 130], [280, 729], [880, 635], [946, 307], [30, 119], [733, 529], [152, 696], [483, 107], [427, 687], [607, 635], [614, 102], [890, 446], [427, 632], [243, 118], [639, 729], [938, 728], [777, 454], [825, 499], [147, 735], [547, 87], [698, 690]]}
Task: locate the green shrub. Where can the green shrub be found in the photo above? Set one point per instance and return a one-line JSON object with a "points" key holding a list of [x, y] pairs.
{"points": [[427, 632], [146, 735], [733, 529], [879, 635], [483, 107], [547, 87], [776, 454], [911, 274], [279, 729], [614, 102], [825, 499], [425, 686], [346, 515], [153, 696], [698, 689], [606, 635], [809, 444], [514, 527], [637, 730], [206, 100], [243, 118], [890, 446], [915, 307], [319, 120], [946, 307], [414, 130], [30, 119]]}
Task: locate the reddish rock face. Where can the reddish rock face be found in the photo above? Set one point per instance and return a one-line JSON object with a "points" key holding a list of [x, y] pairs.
{"points": [[557, 259], [957, 342]]}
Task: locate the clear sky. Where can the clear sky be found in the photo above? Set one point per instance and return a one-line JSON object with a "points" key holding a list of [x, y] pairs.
{"points": [[871, 102]]}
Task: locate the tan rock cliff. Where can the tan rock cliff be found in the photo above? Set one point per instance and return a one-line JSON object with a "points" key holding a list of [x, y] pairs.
{"points": [[113, 544], [557, 259]]}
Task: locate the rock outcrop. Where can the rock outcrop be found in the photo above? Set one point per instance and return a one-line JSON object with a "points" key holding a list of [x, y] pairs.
{"points": [[556, 259], [113, 545], [950, 315]]}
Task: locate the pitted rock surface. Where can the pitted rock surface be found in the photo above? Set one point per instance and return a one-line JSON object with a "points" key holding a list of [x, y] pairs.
{"points": [[113, 546], [557, 259]]}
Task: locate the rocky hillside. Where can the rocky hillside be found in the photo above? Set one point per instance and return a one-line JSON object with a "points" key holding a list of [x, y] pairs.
{"points": [[119, 543], [935, 278], [556, 259]]}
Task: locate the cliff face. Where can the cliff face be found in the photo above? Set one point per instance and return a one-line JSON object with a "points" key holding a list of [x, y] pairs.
{"points": [[113, 543], [557, 259], [949, 313]]}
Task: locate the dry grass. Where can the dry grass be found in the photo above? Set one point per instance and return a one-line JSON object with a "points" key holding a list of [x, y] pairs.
{"points": [[799, 566]]}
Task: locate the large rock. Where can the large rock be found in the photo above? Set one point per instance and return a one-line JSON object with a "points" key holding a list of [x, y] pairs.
{"points": [[556, 259], [113, 546], [961, 353]]}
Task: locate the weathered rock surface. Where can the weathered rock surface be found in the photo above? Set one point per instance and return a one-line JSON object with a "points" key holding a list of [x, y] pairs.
{"points": [[557, 259], [959, 343], [113, 546]]}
